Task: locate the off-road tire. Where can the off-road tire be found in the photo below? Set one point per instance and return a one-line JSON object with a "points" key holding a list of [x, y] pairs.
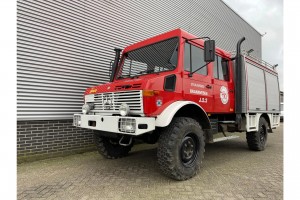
{"points": [[173, 159], [257, 140], [110, 148]]}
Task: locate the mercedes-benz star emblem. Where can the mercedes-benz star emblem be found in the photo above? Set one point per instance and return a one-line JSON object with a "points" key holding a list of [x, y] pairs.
{"points": [[107, 102]]}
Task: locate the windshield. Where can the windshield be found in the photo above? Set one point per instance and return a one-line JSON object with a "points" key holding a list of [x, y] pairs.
{"points": [[161, 56]]}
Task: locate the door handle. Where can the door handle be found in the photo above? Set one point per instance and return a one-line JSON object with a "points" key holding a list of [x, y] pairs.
{"points": [[208, 86]]}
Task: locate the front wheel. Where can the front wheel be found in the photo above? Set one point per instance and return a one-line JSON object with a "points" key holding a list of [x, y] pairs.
{"points": [[181, 148], [257, 140], [110, 148]]}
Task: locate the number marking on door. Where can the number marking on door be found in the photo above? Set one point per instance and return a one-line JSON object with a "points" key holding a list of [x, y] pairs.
{"points": [[203, 100]]}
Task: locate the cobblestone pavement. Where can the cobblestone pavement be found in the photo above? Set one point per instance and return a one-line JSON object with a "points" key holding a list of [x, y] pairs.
{"points": [[229, 171]]}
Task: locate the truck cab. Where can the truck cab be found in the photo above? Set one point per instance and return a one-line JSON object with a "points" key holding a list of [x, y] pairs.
{"points": [[176, 90]]}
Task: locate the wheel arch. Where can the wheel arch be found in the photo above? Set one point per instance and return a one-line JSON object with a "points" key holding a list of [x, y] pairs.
{"points": [[267, 118], [252, 121], [183, 109]]}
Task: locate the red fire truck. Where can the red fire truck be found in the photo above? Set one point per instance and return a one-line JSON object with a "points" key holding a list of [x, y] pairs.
{"points": [[180, 91]]}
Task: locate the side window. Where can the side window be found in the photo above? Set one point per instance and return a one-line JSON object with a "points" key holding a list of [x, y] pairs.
{"points": [[225, 69], [187, 57], [216, 72], [221, 69], [198, 60], [194, 56]]}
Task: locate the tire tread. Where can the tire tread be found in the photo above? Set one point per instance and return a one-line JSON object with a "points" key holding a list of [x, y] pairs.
{"points": [[253, 138], [106, 149], [166, 143]]}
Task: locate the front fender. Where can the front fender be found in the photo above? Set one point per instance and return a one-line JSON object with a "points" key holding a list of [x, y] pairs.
{"points": [[165, 118]]}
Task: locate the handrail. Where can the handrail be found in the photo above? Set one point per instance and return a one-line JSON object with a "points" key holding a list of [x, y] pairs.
{"points": [[258, 60]]}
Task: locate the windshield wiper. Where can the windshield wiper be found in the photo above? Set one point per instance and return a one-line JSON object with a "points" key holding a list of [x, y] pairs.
{"points": [[149, 71], [124, 76], [146, 71]]}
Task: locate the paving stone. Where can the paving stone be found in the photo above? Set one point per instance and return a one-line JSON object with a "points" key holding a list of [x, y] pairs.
{"points": [[229, 171]]}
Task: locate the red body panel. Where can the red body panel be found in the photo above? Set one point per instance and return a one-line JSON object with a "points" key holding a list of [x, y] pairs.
{"points": [[219, 106], [203, 90]]}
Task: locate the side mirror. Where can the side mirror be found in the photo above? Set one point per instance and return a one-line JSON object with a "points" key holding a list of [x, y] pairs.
{"points": [[209, 50]]}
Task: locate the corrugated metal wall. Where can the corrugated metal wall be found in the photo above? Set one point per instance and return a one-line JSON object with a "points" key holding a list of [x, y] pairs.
{"points": [[63, 47]]}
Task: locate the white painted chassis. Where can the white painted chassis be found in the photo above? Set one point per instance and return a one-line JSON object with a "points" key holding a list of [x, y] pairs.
{"points": [[252, 121]]}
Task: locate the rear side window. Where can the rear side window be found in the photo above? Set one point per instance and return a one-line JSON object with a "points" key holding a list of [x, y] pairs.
{"points": [[194, 58], [221, 71]]}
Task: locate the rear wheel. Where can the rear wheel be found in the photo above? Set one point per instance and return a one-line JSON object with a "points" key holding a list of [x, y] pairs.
{"points": [[181, 148], [110, 148], [257, 140]]}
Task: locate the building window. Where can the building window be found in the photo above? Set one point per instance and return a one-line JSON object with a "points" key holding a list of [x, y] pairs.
{"points": [[193, 59], [221, 71]]}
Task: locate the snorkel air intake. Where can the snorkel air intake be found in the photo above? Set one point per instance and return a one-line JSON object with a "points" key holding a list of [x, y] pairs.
{"points": [[238, 83]]}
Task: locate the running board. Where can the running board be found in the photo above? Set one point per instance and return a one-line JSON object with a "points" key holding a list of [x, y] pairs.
{"points": [[225, 138], [226, 122]]}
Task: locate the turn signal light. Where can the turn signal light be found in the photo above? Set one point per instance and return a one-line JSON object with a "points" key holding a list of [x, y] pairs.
{"points": [[150, 93]]}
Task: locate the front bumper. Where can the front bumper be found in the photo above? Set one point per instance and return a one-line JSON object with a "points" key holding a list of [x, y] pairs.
{"points": [[115, 124]]}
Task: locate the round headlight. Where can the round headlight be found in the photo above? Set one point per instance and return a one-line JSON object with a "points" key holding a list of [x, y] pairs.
{"points": [[86, 108], [124, 109]]}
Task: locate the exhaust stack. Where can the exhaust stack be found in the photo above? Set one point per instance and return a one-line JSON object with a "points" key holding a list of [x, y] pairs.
{"points": [[238, 83], [115, 64]]}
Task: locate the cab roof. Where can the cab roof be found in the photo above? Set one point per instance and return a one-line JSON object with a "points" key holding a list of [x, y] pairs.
{"points": [[174, 33]]}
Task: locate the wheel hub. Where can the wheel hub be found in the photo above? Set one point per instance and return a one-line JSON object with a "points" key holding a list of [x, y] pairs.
{"points": [[188, 150]]}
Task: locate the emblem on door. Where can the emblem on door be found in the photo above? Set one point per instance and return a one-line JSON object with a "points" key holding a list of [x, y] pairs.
{"points": [[224, 95]]}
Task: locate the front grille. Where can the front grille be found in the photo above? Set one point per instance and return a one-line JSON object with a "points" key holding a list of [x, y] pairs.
{"points": [[110, 102]]}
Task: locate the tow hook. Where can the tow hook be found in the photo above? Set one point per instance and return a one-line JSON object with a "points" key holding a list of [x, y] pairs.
{"points": [[125, 140]]}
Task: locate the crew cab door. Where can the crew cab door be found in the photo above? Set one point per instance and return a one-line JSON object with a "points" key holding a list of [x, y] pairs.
{"points": [[197, 88], [223, 92]]}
